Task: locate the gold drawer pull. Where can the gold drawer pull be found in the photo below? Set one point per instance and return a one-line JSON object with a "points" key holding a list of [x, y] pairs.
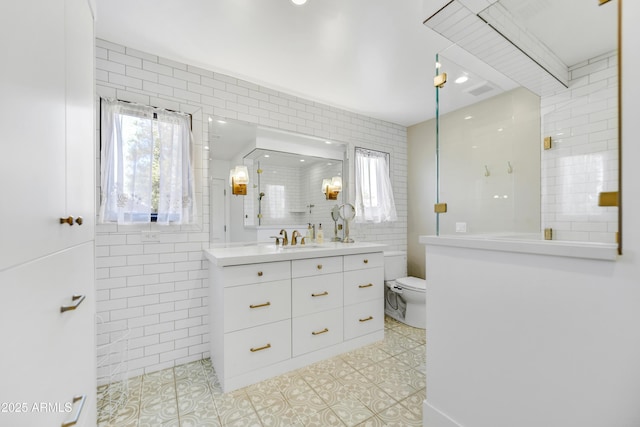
{"points": [[325, 330], [320, 295], [365, 286], [366, 319], [366, 261], [254, 349], [78, 300], [319, 266], [268, 303], [259, 273]]}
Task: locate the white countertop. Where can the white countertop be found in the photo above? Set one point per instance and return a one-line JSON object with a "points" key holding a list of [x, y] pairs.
{"points": [[588, 250], [251, 253]]}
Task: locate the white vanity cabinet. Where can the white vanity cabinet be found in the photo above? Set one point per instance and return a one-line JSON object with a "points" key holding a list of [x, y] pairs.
{"points": [[363, 294], [275, 311], [317, 301]]}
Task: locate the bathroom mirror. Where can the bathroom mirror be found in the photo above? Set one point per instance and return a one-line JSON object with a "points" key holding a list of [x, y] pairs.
{"points": [[532, 141], [286, 189]]}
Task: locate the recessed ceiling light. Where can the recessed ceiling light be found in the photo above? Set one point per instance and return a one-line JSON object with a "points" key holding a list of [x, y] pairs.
{"points": [[327, 142], [462, 79], [302, 160], [221, 121], [298, 2], [266, 155], [468, 117], [500, 129]]}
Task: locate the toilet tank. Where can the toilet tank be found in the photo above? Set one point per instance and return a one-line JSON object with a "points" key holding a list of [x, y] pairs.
{"points": [[395, 265]]}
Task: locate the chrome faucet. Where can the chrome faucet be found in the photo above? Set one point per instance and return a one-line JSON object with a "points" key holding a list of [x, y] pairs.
{"points": [[294, 237], [285, 239]]}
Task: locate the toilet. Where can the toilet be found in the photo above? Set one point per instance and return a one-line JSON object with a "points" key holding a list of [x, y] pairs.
{"points": [[404, 297]]}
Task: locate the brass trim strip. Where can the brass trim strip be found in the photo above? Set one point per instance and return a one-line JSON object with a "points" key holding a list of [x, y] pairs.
{"points": [[366, 319], [619, 235], [320, 295], [324, 331], [268, 303], [254, 349], [368, 285]]}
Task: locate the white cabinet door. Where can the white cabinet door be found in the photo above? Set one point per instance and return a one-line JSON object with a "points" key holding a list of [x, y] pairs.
{"points": [[47, 169], [48, 356], [80, 117], [32, 123]]}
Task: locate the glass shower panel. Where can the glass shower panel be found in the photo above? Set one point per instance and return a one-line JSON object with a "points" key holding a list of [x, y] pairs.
{"points": [[488, 149], [581, 163]]}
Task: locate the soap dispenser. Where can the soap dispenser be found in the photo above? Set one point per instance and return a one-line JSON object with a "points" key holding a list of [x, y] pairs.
{"points": [[308, 237], [320, 235]]}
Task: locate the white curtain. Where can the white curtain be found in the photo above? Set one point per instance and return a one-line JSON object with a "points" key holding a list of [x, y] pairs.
{"points": [[146, 166], [374, 194]]}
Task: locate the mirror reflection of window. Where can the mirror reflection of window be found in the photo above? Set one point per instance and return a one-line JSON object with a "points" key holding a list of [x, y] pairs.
{"points": [[276, 200]]}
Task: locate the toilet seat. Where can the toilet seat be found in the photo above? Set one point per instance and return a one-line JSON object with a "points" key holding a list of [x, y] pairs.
{"points": [[412, 283]]}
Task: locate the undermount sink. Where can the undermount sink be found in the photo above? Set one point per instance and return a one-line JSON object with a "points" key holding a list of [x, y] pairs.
{"points": [[289, 247]]}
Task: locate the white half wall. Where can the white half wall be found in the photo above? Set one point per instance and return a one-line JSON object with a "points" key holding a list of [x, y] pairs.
{"points": [[531, 340]]}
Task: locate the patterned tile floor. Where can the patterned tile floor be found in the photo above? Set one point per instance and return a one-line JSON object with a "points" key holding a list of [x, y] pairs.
{"points": [[382, 384]]}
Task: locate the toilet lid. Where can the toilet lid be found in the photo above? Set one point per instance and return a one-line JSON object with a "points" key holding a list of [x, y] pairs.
{"points": [[414, 283]]}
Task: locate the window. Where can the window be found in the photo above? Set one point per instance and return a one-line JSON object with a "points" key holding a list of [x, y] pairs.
{"points": [[374, 195], [146, 169]]}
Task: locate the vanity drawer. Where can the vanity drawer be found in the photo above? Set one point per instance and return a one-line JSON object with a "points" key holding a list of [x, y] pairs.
{"points": [[252, 305], [364, 318], [313, 294], [315, 266], [255, 273], [362, 261], [363, 285], [316, 331], [257, 347]]}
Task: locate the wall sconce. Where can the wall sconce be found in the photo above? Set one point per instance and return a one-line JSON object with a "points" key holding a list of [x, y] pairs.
{"points": [[238, 180], [331, 187]]}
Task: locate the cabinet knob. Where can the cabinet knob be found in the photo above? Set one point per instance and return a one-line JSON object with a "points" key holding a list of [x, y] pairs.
{"points": [[366, 261], [79, 220], [68, 220], [319, 266], [259, 273]]}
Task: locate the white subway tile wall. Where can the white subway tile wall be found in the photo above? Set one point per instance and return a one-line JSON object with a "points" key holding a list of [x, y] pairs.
{"points": [[583, 124], [152, 280]]}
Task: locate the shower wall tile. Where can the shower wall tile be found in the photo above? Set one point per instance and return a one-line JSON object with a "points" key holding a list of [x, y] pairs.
{"points": [[155, 293], [583, 122]]}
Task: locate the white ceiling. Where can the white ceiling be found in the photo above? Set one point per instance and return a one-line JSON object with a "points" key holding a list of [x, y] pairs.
{"points": [[373, 57]]}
